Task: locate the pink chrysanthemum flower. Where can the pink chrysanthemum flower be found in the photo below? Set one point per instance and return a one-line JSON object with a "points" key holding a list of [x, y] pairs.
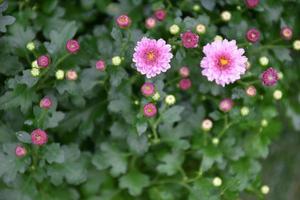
{"points": [[46, 103], [226, 105], [150, 22], [251, 91], [253, 35], [269, 77], [189, 39], [224, 62], [150, 110], [251, 3], [43, 61], [72, 46], [72, 75], [100, 65], [152, 57], [286, 33], [185, 84], [20, 151], [148, 89], [184, 72], [123, 21], [39, 137], [160, 14]]}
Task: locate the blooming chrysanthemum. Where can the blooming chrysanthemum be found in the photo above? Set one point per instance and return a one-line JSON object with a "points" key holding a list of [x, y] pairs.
{"points": [[20, 151], [123, 21], [251, 3], [43, 61], [148, 89], [251, 91], [226, 105], [150, 110], [160, 14], [46, 103], [286, 33], [150, 22], [185, 84], [100, 65], [152, 57], [224, 62], [189, 39], [253, 35], [39, 137], [184, 72], [72, 46], [269, 77]]}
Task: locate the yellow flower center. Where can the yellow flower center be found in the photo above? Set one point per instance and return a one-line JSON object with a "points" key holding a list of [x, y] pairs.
{"points": [[223, 61], [150, 56]]}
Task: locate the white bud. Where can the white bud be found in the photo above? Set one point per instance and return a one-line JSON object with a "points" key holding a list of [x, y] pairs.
{"points": [[217, 181]]}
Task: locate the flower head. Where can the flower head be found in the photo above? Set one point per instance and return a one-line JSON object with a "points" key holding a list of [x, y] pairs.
{"points": [[20, 151], [123, 21], [226, 16], [39, 137], [286, 33], [148, 89], [224, 62], [160, 14], [251, 91], [189, 39], [200, 28], [264, 61], [296, 45], [226, 105], [170, 99], [46, 103], [207, 124], [150, 22], [72, 46], [43, 61], [253, 35], [100, 65], [277, 94], [185, 84], [116, 60], [217, 181], [174, 29], [30, 46], [269, 77], [150, 110], [251, 3], [35, 72], [60, 74], [152, 57]]}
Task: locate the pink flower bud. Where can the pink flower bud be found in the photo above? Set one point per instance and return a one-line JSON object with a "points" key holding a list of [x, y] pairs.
{"points": [[20, 151], [251, 91], [286, 33], [184, 72], [269, 77], [189, 39], [251, 3], [148, 89], [39, 137], [123, 21], [150, 110], [253, 35], [72, 46], [71, 75], [185, 84], [160, 14], [43, 61], [100, 65], [46, 103], [226, 105], [150, 22]]}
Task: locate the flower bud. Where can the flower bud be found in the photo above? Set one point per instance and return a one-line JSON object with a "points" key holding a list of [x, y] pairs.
{"points": [[196, 7], [39, 137], [71, 75], [265, 189], [251, 3], [156, 96], [20, 151], [72, 46], [46, 103], [217, 181], [189, 39], [296, 45], [251, 91], [150, 22], [226, 105], [200, 28], [43, 61], [184, 72], [60, 74], [264, 123], [170, 99], [207, 124], [34, 64], [116, 60], [35, 72], [100, 65], [277, 94], [286, 33], [215, 141], [218, 38], [245, 111], [185, 84], [174, 29], [226, 16], [30, 46], [148, 89], [160, 14], [264, 61], [123, 21], [150, 110], [253, 35]]}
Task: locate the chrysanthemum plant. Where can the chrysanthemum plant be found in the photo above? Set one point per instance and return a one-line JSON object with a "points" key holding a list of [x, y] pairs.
{"points": [[144, 99]]}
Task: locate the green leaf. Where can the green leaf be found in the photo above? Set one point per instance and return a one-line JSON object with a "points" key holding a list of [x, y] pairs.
{"points": [[54, 153], [208, 4], [134, 181], [23, 137], [171, 163], [172, 114], [5, 20]]}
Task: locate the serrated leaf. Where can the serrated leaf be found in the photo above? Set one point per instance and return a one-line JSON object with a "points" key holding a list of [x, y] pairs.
{"points": [[134, 181], [54, 153], [23, 137], [172, 114]]}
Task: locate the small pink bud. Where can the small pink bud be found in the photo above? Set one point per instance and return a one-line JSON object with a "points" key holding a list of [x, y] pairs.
{"points": [[185, 84], [72, 46], [269, 77], [46, 103], [286, 33], [226, 105], [160, 14], [123, 21], [148, 89], [251, 91], [43, 61], [251, 3], [20, 151], [71, 75], [189, 39], [150, 110], [253, 35], [100, 65], [184, 72], [39, 137], [150, 22]]}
